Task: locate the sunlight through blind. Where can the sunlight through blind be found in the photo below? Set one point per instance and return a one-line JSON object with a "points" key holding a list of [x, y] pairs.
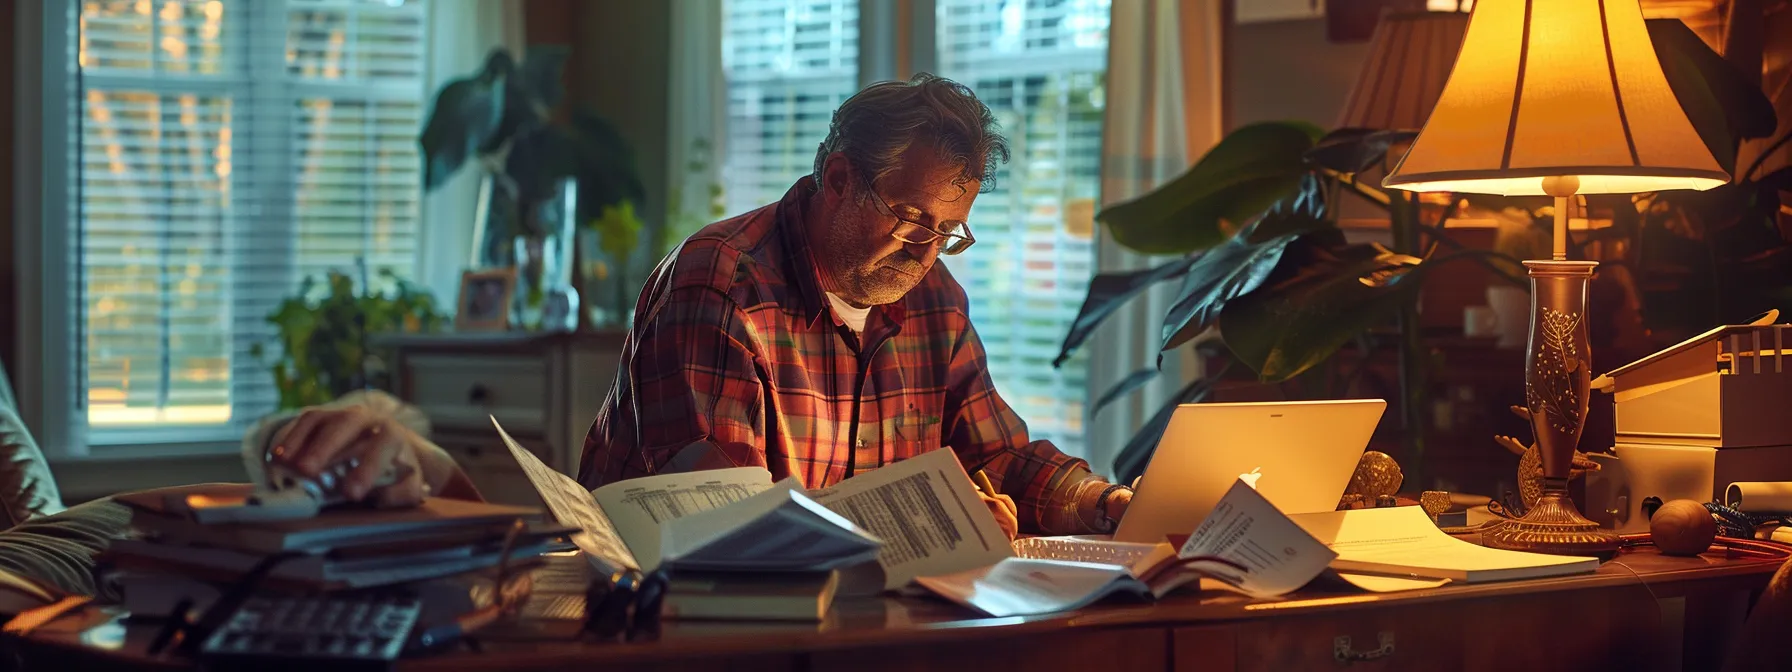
{"points": [[1039, 66], [226, 149], [788, 64]]}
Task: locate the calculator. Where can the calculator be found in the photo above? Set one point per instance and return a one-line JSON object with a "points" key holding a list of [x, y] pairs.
{"points": [[341, 631]]}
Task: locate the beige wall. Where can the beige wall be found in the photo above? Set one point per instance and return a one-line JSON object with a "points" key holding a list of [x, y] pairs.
{"points": [[620, 68], [1287, 70]]}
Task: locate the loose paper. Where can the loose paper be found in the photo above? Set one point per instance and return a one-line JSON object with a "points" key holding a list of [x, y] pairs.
{"points": [[1402, 542], [572, 505], [1022, 586], [1245, 528], [926, 511]]}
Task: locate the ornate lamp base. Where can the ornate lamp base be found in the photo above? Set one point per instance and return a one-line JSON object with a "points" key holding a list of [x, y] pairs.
{"points": [[1556, 379], [1553, 526]]}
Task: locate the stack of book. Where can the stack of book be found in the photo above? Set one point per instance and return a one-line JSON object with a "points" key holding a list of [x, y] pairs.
{"points": [[173, 556]]}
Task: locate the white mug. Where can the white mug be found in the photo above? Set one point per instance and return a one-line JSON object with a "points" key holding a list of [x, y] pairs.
{"points": [[1479, 321], [1512, 306]]}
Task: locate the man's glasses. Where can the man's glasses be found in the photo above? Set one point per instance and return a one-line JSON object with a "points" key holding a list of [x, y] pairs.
{"points": [[915, 234]]}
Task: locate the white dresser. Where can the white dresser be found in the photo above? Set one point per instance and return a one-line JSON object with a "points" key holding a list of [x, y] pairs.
{"points": [[544, 388]]}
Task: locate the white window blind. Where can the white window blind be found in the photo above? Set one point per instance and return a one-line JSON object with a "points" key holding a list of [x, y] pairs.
{"points": [[1039, 66], [788, 64], [226, 149]]}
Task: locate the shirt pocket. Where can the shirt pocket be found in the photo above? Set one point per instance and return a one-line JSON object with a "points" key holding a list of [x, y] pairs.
{"points": [[920, 427]]}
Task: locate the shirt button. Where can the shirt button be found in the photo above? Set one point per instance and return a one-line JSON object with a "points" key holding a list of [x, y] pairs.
{"points": [[861, 443]]}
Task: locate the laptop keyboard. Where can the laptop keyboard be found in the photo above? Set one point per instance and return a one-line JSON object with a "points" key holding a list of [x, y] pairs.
{"points": [[1082, 550]]}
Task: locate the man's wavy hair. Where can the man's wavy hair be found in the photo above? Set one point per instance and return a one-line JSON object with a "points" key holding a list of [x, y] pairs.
{"points": [[876, 125]]}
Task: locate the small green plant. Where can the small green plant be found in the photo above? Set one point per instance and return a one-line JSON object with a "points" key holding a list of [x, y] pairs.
{"points": [[324, 330]]}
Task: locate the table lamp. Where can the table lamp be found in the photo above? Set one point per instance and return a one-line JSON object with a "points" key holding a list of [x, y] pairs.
{"points": [[1409, 60], [1557, 98]]}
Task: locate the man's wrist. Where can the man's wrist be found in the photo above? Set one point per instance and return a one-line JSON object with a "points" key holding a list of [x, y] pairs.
{"points": [[1104, 507]]}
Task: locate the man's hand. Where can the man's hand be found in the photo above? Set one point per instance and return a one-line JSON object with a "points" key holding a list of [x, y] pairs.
{"points": [[320, 438], [1118, 502], [1006, 513]]}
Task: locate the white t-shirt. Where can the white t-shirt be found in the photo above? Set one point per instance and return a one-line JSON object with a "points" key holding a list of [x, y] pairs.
{"points": [[854, 317]]}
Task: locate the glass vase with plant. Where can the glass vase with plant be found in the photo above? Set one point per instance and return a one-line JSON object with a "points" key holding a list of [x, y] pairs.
{"points": [[548, 166]]}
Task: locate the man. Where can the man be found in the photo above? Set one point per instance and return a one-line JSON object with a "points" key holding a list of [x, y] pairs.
{"points": [[818, 337]]}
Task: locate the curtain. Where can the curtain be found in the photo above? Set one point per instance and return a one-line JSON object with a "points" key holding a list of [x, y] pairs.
{"points": [[699, 110], [1163, 110], [461, 33]]}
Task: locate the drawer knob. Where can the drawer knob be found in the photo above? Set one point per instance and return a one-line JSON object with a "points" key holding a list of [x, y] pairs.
{"points": [[1345, 655], [477, 394]]}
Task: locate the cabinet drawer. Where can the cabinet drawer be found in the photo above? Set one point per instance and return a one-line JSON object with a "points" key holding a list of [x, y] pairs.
{"points": [[459, 391]]}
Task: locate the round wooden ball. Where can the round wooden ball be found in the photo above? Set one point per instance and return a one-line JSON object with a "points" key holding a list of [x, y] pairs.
{"points": [[1682, 527]]}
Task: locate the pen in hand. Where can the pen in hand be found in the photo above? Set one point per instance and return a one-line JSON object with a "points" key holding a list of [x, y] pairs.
{"points": [[982, 482]]}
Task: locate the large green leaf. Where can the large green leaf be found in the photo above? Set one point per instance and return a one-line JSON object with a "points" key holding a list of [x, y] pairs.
{"points": [[1130, 462], [1220, 275], [1248, 171], [1303, 211], [1132, 381], [466, 118], [1724, 105], [1354, 150], [1109, 291], [1244, 262], [1322, 297]]}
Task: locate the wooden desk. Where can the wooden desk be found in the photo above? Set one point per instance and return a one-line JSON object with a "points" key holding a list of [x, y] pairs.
{"points": [[1641, 611]]}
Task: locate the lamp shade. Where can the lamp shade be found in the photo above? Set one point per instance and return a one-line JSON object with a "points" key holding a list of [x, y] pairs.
{"points": [[1409, 60], [1557, 88]]}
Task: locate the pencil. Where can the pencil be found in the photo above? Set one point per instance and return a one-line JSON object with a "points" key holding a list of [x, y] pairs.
{"points": [[982, 481]]}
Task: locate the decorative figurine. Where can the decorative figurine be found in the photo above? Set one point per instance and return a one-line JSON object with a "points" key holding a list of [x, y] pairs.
{"points": [[1682, 527], [1377, 475], [1530, 463]]}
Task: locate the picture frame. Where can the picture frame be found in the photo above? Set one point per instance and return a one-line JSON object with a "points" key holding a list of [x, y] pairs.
{"points": [[485, 298]]}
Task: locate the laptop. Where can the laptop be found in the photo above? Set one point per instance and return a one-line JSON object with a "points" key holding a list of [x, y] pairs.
{"points": [[1299, 454]]}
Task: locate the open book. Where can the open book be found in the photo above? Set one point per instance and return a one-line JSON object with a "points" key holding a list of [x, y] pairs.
{"points": [[1245, 544], [924, 511]]}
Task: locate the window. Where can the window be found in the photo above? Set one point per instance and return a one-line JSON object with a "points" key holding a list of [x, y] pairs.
{"points": [[788, 64], [222, 151], [1039, 65]]}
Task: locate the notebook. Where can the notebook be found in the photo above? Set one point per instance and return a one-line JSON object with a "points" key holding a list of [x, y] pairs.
{"points": [[1402, 541]]}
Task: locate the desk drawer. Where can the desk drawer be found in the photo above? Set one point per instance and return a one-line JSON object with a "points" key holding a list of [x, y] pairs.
{"points": [[459, 391], [1409, 638]]}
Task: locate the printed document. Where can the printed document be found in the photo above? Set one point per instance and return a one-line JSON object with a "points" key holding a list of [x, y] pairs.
{"points": [[924, 511], [1246, 544]]}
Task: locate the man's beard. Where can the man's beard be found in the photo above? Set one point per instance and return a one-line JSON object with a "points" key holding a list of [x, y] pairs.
{"points": [[859, 277]]}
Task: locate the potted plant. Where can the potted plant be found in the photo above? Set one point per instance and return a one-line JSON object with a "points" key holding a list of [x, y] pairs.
{"points": [[1267, 278], [548, 167], [323, 333]]}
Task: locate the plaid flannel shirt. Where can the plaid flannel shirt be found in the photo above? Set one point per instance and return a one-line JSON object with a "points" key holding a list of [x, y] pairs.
{"points": [[736, 359]]}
